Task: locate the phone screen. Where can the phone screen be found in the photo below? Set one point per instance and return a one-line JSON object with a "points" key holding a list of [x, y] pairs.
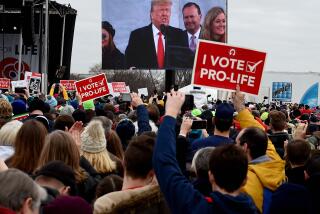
{"points": [[199, 124], [20, 90], [126, 97]]}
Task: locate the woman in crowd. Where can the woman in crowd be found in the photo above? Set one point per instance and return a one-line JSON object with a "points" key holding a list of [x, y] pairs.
{"points": [[112, 58], [114, 145], [214, 26], [8, 134], [93, 148], [5, 112], [28, 145], [61, 146]]}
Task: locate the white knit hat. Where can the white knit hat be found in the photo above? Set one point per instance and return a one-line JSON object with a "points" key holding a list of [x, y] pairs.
{"points": [[93, 139]]}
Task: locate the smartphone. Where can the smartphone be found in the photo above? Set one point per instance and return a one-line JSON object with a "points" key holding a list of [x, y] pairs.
{"points": [[126, 97], [199, 124], [20, 90]]}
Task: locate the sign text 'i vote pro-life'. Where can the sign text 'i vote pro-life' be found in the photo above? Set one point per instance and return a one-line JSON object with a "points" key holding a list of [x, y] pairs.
{"points": [[223, 66], [68, 84], [92, 87]]}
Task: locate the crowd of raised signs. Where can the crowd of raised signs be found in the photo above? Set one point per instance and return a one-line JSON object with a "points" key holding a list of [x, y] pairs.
{"points": [[61, 155]]}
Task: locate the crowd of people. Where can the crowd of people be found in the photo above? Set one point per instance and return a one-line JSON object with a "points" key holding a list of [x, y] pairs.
{"points": [[59, 155], [147, 45]]}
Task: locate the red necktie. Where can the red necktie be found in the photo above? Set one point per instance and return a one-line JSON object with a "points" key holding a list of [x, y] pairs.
{"points": [[160, 53]]}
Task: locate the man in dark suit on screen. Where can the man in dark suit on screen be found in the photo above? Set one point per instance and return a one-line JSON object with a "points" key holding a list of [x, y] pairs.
{"points": [[192, 18], [147, 45]]}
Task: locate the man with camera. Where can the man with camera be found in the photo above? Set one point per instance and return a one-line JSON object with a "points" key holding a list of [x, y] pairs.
{"points": [[223, 121]]}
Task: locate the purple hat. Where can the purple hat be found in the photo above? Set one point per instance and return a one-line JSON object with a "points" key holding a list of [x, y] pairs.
{"points": [[67, 205]]}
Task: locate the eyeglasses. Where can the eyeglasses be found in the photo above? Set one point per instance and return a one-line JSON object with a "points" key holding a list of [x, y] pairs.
{"points": [[104, 36]]}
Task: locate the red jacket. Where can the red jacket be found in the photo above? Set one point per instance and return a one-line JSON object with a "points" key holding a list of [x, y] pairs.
{"points": [[4, 210]]}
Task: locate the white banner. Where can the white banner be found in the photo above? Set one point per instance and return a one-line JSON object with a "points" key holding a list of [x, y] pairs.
{"points": [[9, 57], [143, 91]]}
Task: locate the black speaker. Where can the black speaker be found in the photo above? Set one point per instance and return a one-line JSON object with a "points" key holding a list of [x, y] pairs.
{"points": [[169, 79], [27, 23]]}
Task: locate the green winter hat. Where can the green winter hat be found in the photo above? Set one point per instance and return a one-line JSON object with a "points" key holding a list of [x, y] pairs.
{"points": [[88, 105], [196, 112], [264, 115]]}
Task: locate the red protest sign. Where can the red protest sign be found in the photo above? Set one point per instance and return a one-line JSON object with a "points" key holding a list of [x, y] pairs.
{"points": [[119, 87], [223, 66], [68, 84], [4, 83], [92, 87]]}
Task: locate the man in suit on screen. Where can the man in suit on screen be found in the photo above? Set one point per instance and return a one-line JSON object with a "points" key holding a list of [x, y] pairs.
{"points": [[192, 18], [147, 45]]}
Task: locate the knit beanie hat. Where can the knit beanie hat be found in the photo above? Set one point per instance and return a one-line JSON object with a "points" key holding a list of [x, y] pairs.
{"points": [[93, 138], [51, 101], [68, 204], [66, 110], [19, 107], [196, 112], [88, 105], [264, 115], [125, 130]]}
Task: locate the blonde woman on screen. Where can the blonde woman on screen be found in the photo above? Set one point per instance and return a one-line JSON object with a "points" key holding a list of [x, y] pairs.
{"points": [[214, 26]]}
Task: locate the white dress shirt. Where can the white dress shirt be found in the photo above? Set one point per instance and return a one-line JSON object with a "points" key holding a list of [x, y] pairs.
{"points": [[197, 34], [156, 37]]}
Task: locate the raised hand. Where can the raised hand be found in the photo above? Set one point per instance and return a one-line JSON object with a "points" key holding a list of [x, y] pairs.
{"points": [[175, 100], [238, 99], [136, 100]]}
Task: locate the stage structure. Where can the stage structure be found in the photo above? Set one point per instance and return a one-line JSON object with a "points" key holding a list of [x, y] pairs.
{"points": [[37, 38]]}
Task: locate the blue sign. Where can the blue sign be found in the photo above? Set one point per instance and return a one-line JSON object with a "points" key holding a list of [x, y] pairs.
{"points": [[282, 91], [310, 97]]}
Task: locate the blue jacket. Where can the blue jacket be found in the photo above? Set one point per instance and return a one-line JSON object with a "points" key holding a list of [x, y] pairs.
{"points": [[211, 141], [180, 194]]}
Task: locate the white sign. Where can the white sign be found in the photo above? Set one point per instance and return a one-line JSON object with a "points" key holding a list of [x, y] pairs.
{"points": [[19, 84], [143, 91], [9, 57]]}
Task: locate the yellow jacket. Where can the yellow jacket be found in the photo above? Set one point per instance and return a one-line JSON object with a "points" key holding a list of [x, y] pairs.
{"points": [[64, 92], [270, 174]]}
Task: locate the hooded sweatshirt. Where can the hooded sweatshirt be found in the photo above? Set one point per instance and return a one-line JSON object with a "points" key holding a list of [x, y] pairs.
{"points": [[228, 204], [268, 174], [180, 194]]}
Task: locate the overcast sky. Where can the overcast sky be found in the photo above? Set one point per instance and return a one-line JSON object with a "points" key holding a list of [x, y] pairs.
{"points": [[288, 30]]}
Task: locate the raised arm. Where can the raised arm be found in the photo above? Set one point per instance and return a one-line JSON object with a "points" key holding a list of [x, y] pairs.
{"points": [[178, 191]]}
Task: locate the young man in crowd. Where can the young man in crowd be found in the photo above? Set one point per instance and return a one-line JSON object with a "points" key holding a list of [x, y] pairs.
{"points": [[19, 193], [223, 121], [140, 191], [228, 171], [266, 169], [57, 178]]}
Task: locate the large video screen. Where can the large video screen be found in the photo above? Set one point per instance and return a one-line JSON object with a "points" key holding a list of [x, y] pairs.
{"points": [[158, 34]]}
